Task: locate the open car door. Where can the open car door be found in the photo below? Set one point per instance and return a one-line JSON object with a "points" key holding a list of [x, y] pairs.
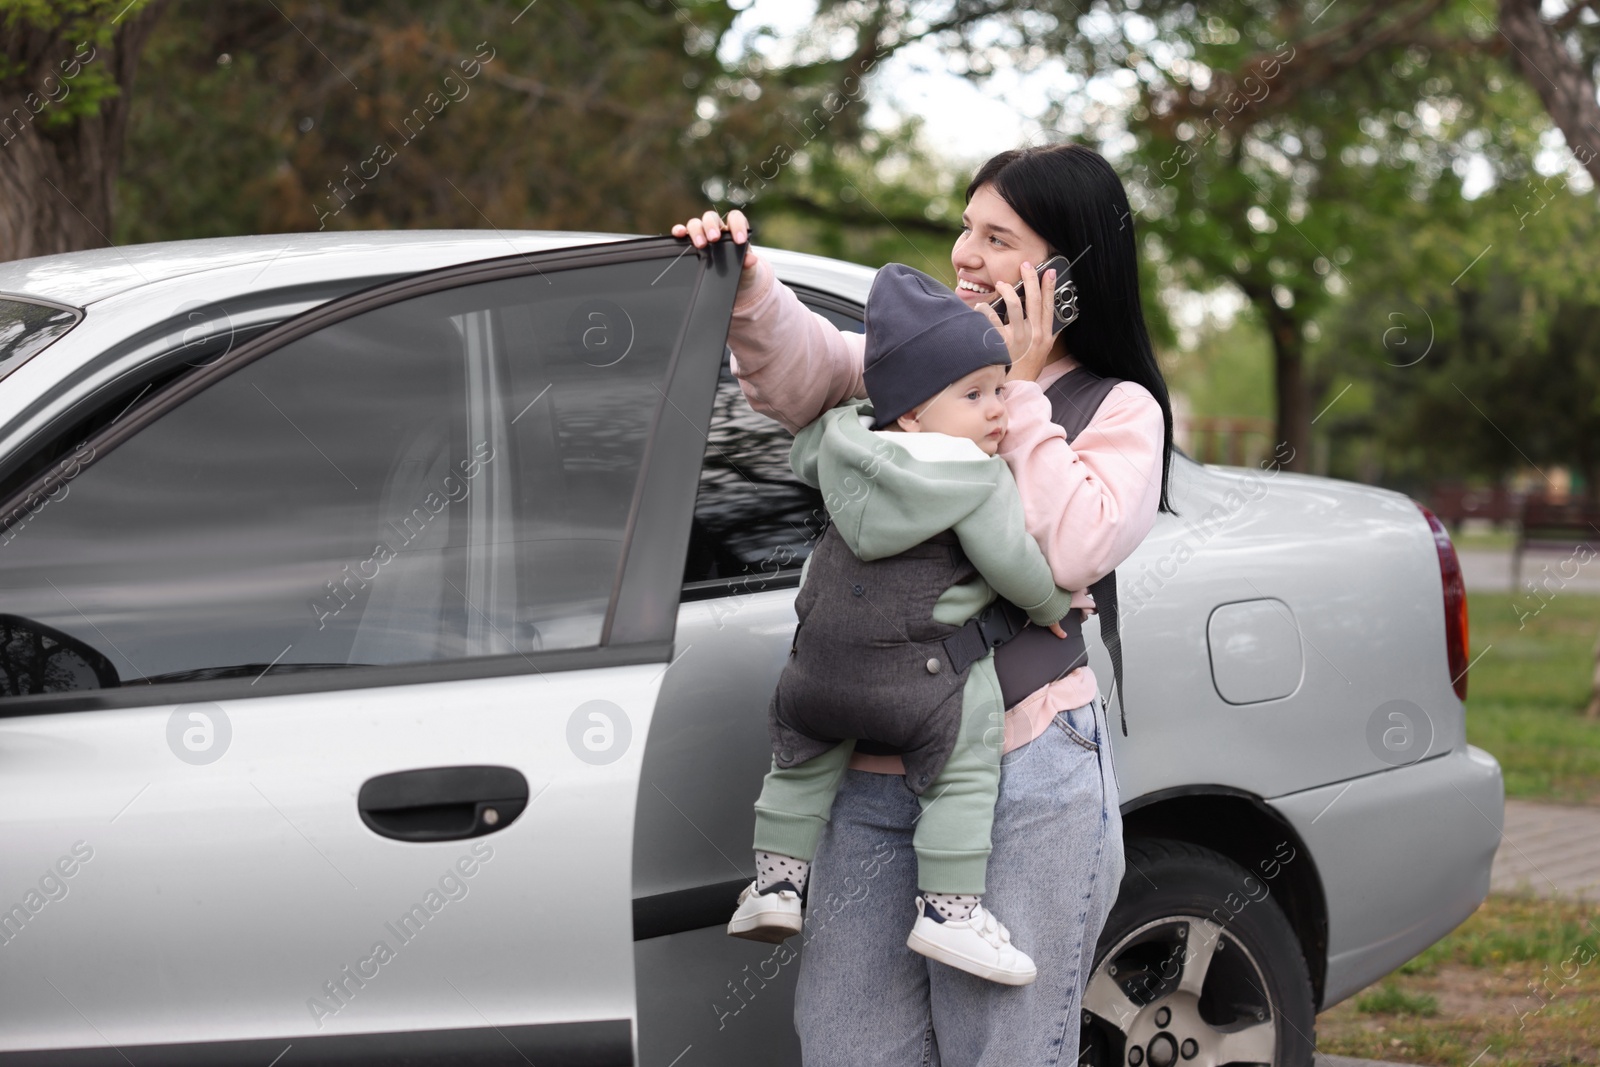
{"points": [[325, 674]]}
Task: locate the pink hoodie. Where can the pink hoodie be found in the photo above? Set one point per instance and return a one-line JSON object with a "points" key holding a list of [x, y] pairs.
{"points": [[1088, 504]]}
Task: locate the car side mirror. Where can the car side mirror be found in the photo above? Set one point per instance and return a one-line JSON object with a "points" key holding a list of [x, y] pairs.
{"points": [[35, 658]]}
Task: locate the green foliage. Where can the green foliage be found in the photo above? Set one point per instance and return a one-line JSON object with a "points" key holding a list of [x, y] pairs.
{"points": [[1518, 978], [53, 61], [884, 200], [1390, 999], [1475, 373], [614, 117], [414, 114], [1334, 202], [1229, 371], [1332, 198], [1514, 930], [618, 117]]}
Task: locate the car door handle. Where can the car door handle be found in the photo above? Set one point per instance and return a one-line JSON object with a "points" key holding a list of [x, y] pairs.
{"points": [[442, 803]]}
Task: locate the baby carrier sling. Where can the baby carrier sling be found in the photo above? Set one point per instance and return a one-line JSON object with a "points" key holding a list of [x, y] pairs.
{"points": [[877, 670], [876, 673], [1027, 658]]}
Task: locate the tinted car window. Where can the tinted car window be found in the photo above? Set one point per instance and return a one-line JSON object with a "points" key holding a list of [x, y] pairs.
{"points": [[752, 515], [447, 477], [27, 328]]}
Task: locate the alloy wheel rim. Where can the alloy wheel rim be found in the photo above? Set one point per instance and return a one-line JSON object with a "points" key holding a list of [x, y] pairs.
{"points": [[1179, 991]]}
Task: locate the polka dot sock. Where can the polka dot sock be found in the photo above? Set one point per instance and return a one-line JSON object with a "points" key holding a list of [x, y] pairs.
{"points": [[773, 867], [951, 906]]}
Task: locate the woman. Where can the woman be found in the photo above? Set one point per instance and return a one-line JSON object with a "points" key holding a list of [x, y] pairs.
{"points": [[863, 996]]}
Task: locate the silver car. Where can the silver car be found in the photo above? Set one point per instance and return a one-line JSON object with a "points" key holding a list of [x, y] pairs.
{"points": [[387, 624]]}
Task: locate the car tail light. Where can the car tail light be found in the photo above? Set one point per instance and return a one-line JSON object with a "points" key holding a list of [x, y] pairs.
{"points": [[1455, 602]]}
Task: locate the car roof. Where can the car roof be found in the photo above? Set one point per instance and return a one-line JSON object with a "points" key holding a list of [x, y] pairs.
{"points": [[139, 298], [82, 279]]}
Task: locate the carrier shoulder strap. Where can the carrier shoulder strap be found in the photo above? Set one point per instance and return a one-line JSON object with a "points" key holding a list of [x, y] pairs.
{"points": [[1074, 398]]}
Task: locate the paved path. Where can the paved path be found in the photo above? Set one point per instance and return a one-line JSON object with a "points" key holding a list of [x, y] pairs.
{"points": [[1548, 851], [1552, 571]]}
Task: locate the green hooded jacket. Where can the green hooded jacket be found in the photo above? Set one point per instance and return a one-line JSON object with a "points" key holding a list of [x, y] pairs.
{"points": [[889, 491]]}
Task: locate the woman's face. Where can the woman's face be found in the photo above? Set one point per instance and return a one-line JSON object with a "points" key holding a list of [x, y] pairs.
{"points": [[993, 245]]}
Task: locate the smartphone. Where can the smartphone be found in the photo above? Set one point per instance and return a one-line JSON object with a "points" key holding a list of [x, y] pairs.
{"points": [[1065, 300]]}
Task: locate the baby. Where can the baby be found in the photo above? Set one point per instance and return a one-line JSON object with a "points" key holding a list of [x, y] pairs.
{"points": [[927, 528]]}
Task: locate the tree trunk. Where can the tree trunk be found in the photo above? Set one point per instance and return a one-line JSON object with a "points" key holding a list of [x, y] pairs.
{"points": [[1563, 82], [58, 183], [1289, 384]]}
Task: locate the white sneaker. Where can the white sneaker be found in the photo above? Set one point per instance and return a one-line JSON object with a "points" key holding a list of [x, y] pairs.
{"points": [[769, 917], [980, 945]]}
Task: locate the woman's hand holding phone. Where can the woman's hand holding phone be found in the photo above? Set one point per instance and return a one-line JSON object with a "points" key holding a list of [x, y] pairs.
{"points": [[1028, 338], [710, 227]]}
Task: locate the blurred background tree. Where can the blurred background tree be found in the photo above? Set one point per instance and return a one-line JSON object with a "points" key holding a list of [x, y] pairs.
{"points": [[1276, 149], [1495, 371], [612, 117], [1361, 221], [65, 70]]}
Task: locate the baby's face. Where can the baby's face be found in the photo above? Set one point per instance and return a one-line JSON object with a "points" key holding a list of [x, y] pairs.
{"points": [[969, 408]]}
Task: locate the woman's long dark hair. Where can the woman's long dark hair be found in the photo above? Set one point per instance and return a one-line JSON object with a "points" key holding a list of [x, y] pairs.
{"points": [[1069, 195]]}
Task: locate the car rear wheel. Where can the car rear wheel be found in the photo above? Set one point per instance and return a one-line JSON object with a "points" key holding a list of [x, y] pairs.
{"points": [[1197, 967]]}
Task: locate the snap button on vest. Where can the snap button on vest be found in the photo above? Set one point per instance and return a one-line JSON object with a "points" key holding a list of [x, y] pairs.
{"points": [[933, 666], [857, 590], [786, 755]]}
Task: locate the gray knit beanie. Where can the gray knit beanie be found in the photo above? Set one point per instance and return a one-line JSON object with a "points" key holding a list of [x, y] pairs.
{"points": [[920, 338]]}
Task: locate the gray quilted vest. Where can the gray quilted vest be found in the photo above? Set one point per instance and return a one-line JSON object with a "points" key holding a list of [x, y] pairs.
{"points": [[877, 667], [873, 665]]}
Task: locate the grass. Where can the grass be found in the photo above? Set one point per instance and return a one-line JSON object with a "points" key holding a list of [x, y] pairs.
{"points": [[1516, 985], [1483, 535], [1527, 694], [1390, 999]]}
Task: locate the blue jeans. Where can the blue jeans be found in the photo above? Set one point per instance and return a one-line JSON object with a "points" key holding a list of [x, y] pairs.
{"points": [[864, 998]]}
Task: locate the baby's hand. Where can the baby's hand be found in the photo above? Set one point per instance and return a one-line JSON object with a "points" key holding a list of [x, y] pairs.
{"points": [[1056, 629]]}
